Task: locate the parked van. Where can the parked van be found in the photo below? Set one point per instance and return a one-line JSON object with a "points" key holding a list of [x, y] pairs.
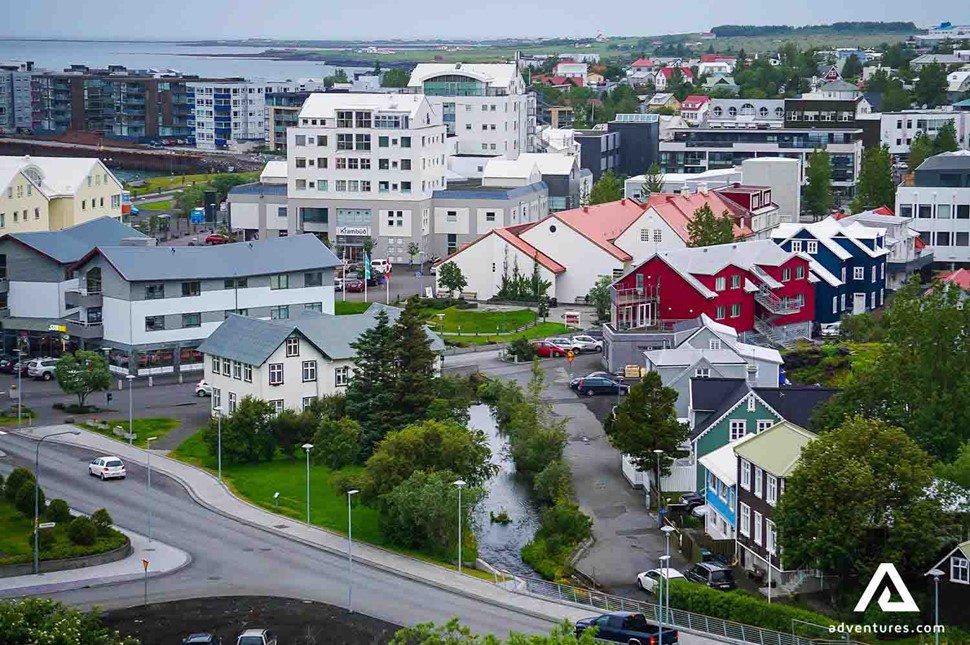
{"points": [[380, 266]]}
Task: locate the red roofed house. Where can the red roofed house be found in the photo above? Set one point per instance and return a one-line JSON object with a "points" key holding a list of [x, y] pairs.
{"points": [[694, 109], [756, 287], [664, 73], [642, 66], [960, 277], [574, 248]]}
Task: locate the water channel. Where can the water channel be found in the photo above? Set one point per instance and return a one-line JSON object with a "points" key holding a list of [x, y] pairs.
{"points": [[500, 544]]}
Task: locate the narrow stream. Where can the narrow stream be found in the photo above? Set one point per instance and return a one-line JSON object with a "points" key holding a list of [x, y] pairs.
{"points": [[500, 544]]}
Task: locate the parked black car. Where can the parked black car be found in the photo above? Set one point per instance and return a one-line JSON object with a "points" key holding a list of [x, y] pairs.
{"points": [[590, 385], [692, 501], [7, 364], [626, 627], [715, 576], [595, 332]]}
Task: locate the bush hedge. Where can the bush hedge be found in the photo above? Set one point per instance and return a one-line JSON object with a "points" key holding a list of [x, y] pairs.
{"points": [[25, 498], [14, 481], [82, 531], [58, 511], [102, 522]]}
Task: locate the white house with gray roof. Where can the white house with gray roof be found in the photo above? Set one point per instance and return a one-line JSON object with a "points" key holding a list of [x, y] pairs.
{"points": [[287, 362], [151, 307]]}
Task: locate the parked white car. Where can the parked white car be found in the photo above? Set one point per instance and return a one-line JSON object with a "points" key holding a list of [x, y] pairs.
{"points": [[203, 389], [587, 343], [380, 266], [107, 468], [647, 581], [42, 368]]}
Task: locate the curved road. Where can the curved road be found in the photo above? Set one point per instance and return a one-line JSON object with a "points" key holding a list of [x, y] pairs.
{"points": [[231, 558]]}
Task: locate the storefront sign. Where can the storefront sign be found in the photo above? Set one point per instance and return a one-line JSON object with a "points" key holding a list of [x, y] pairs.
{"points": [[60, 328], [353, 231]]}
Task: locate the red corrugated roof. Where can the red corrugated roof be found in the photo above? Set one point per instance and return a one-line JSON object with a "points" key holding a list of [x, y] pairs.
{"points": [[643, 62], [694, 101], [668, 71], [529, 250], [677, 210], [884, 210], [960, 277], [603, 223], [717, 58]]}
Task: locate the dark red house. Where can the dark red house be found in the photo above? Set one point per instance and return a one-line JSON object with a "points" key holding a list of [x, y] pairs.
{"points": [[755, 287]]}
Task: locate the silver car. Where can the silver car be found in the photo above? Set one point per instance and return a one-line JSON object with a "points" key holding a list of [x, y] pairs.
{"points": [[107, 468], [587, 344], [42, 368]]}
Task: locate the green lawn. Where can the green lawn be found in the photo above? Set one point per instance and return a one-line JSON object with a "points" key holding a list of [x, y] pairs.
{"points": [[155, 206], [144, 428], [542, 330], [9, 416], [16, 545], [478, 320], [156, 184], [345, 307], [831, 364]]}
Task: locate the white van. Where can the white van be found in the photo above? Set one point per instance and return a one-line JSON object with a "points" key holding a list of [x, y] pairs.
{"points": [[380, 266]]}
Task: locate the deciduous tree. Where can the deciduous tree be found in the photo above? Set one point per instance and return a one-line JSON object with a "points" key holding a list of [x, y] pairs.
{"points": [[706, 229], [818, 188], [451, 278], [946, 139], [930, 88], [395, 77], [83, 373], [600, 298], [247, 436], [920, 150], [34, 620]]}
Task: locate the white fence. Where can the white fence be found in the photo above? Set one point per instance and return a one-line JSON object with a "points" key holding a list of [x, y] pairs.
{"points": [[682, 477]]}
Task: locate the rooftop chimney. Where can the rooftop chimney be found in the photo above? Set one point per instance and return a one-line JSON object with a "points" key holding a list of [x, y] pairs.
{"points": [[585, 209], [685, 191], [702, 188]]}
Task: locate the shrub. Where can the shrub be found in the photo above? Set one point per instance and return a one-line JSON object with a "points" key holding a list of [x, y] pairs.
{"points": [[25, 498], [562, 528], [337, 443], [45, 539], [1, 484], [102, 521], [554, 482], [82, 531], [521, 349], [58, 511], [14, 481]]}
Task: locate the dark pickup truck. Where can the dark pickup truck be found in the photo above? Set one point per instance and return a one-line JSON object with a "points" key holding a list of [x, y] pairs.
{"points": [[627, 627]]}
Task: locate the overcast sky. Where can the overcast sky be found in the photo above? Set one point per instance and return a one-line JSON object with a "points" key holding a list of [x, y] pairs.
{"points": [[339, 19]]}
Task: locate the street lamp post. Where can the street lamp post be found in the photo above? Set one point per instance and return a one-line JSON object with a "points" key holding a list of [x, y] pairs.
{"points": [[148, 450], [350, 551], [20, 391], [37, 494], [664, 566], [460, 484], [131, 411], [308, 447], [667, 530], [218, 411], [657, 452], [936, 573]]}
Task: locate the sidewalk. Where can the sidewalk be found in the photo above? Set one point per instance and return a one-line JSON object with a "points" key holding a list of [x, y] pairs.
{"points": [[205, 489], [162, 559]]}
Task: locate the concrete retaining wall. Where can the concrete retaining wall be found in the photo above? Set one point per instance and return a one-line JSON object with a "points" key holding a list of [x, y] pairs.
{"points": [[47, 566]]}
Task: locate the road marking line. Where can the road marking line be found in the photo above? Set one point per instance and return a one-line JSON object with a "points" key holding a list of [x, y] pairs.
{"points": [[2, 432]]}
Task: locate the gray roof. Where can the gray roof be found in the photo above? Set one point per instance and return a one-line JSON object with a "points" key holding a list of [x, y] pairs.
{"points": [[839, 86], [71, 244], [959, 160], [795, 404], [253, 340], [265, 257]]}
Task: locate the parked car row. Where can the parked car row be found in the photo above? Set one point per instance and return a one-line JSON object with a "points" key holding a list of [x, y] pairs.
{"points": [[38, 368], [248, 637], [710, 574]]}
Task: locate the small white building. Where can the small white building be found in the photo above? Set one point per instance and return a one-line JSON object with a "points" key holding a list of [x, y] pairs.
{"points": [[898, 129], [288, 363]]}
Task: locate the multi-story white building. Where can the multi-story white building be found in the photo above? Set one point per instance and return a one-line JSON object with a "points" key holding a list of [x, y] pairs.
{"points": [[228, 111], [898, 129], [16, 111], [288, 363], [745, 113], [485, 107], [939, 204]]}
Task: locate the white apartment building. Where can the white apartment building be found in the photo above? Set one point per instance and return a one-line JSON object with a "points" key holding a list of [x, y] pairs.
{"points": [[898, 129], [365, 165], [745, 113], [939, 205], [486, 107], [229, 111], [288, 363]]}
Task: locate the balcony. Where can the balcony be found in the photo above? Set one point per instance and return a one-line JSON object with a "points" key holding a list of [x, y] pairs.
{"points": [[774, 304], [83, 298], [4, 312], [84, 330]]}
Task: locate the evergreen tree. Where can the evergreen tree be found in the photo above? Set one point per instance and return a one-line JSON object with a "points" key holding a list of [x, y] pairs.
{"points": [[413, 387], [818, 189], [930, 89], [946, 139], [895, 97], [742, 59], [707, 229], [607, 189], [876, 186], [852, 67], [370, 395], [920, 150], [678, 85], [653, 181]]}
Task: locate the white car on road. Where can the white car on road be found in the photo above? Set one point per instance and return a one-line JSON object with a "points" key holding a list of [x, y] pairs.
{"points": [[587, 344], [42, 368], [647, 581], [203, 389], [107, 468]]}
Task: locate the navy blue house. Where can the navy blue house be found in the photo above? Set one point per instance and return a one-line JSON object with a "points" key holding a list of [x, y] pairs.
{"points": [[849, 259]]}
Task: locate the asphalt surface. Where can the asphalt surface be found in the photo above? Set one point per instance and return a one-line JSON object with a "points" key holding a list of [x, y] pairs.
{"points": [[230, 558]]}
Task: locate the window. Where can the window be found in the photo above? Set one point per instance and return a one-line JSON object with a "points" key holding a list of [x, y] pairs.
{"points": [[341, 376], [736, 310], [858, 273], [276, 373], [383, 142], [702, 372], [924, 211], [736, 281], [757, 528], [796, 246], [238, 312], [770, 536], [280, 313], [745, 475], [745, 528], [300, 162], [490, 216], [280, 281], [226, 367], [154, 323], [873, 272], [657, 235], [313, 279], [719, 313], [942, 211], [308, 401], [155, 291], [362, 142], [943, 238], [959, 570], [786, 275], [764, 424], [451, 216], [963, 211], [277, 406], [758, 482], [345, 142], [771, 495], [309, 371], [215, 364], [739, 428], [292, 346], [216, 398], [644, 234], [313, 306], [238, 283], [191, 320], [714, 343], [301, 184], [405, 142], [248, 373], [719, 284], [191, 289], [236, 370], [751, 402]]}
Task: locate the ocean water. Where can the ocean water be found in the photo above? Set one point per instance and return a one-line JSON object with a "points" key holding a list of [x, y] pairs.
{"points": [[57, 55]]}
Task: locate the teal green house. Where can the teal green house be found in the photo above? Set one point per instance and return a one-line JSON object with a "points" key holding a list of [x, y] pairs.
{"points": [[724, 410]]}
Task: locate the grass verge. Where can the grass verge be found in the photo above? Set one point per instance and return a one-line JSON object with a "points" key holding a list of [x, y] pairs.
{"points": [[475, 320], [156, 206], [347, 307], [9, 416], [16, 534], [542, 330], [143, 428]]}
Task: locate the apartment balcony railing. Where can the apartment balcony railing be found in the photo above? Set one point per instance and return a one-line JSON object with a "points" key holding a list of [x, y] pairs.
{"points": [[83, 298], [84, 330], [774, 304]]}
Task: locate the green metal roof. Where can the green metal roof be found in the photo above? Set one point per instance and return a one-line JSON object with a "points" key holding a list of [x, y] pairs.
{"points": [[777, 449]]}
